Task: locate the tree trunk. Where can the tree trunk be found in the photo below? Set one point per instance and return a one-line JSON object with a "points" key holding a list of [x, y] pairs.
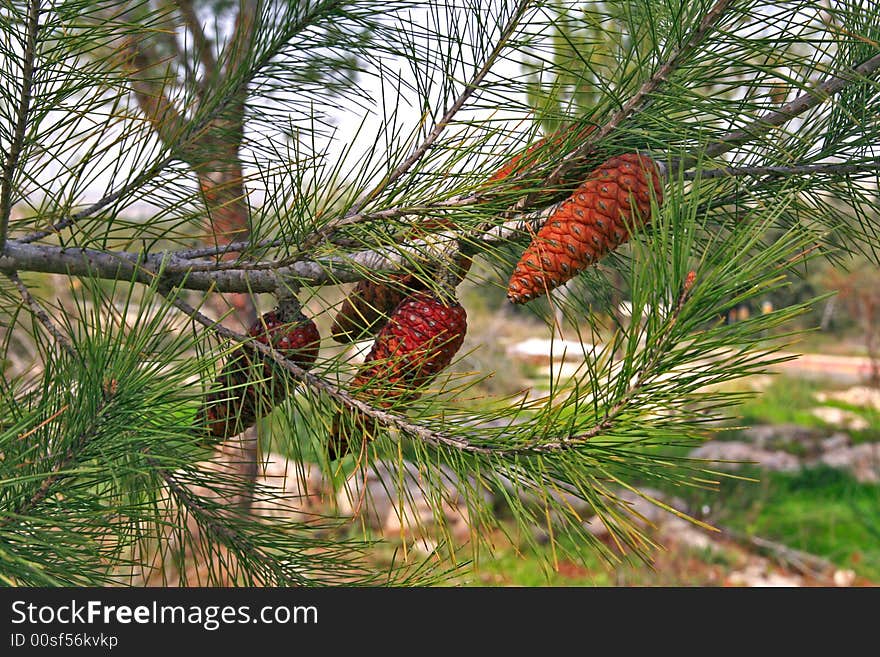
{"points": [[222, 185]]}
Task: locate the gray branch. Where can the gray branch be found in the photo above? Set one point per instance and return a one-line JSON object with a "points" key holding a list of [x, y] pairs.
{"points": [[836, 168], [806, 101], [202, 274]]}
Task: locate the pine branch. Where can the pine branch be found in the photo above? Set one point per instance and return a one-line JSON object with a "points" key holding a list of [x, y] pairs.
{"points": [[815, 96], [219, 528], [10, 164], [471, 86], [122, 265], [836, 168], [429, 436], [59, 472], [645, 374], [186, 143], [316, 383], [636, 103]]}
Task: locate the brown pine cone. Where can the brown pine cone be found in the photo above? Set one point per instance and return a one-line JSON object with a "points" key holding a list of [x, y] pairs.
{"points": [[592, 222], [251, 384], [367, 307], [420, 339]]}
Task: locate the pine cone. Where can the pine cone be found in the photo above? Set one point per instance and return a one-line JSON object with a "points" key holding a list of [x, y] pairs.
{"points": [[368, 305], [251, 384], [527, 157], [420, 339], [592, 222]]}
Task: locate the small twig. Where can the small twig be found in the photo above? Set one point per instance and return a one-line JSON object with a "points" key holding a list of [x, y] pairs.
{"points": [[471, 86], [40, 313], [21, 118], [314, 382]]}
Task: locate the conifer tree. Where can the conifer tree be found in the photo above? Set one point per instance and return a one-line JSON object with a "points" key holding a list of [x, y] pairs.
{"points": [[375, 160]]}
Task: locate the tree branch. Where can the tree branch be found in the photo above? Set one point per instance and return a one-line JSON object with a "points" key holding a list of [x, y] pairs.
{"points": [[635, 103], [428, 436], [40, 313], [21, 118], [181, 270], [240, 44], [123, 265], [316, 383], [844, 168], [203, 45], [142, 63]]}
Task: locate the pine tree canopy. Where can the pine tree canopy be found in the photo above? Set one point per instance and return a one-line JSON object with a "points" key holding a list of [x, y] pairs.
{"points": [[208, 209]]}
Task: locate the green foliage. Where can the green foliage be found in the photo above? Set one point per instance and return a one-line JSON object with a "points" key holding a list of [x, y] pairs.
{"points": [[349, 177], [820, 510]]}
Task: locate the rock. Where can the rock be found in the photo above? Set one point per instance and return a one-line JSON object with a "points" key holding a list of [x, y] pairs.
{"points": [[733, 454], [644, 513], [542, 350], [835, 441], [563, 498], [844, 577], [757, 573], [840, 417], [863, 461], [855, 396], [775, 436], [682, 532], [406, 501]]}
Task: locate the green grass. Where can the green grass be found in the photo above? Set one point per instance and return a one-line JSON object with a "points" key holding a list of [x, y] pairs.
{"points": [[533, 566], [819, 510], [787, 400], [790, 400]]}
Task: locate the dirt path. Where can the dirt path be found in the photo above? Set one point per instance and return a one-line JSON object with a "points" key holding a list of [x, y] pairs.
{"points": [[844, 369]]}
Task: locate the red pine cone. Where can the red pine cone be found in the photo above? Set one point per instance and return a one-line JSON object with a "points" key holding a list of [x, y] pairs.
{"points": [[592, 222], [244, 390], [419, 340], [368, 305]]}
